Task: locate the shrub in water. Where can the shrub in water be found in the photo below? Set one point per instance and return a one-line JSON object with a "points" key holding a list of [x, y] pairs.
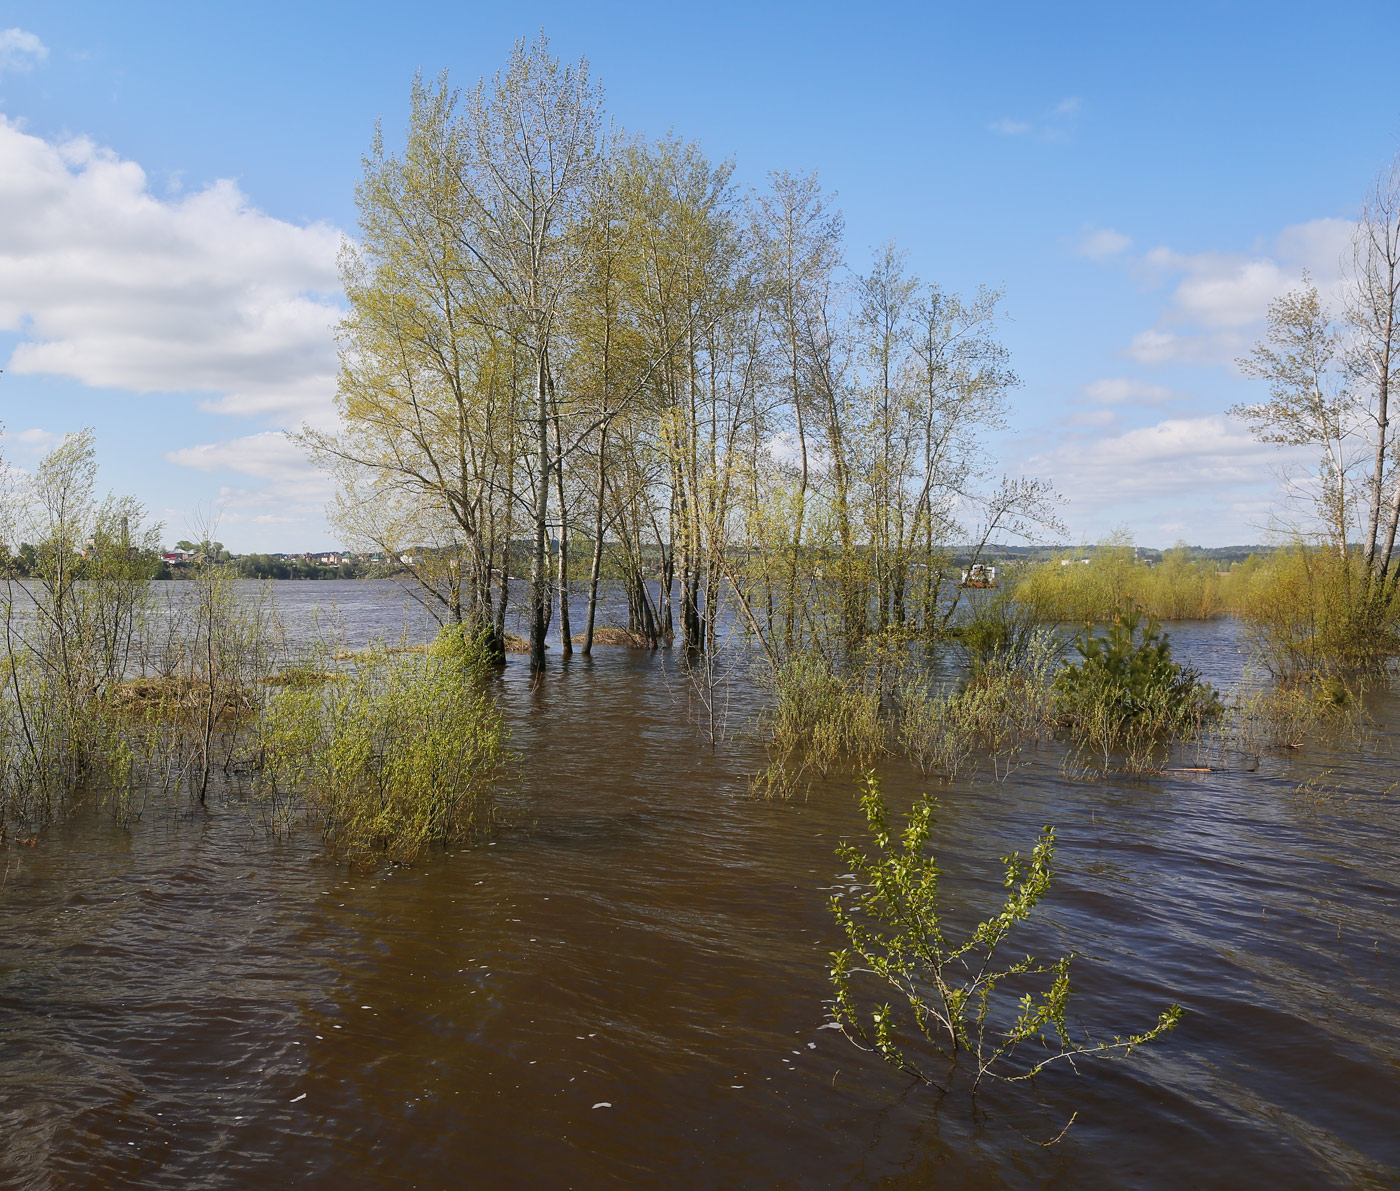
{"points": [[820, 722], [1003, 704], [897, 941], [403, 754], [1316, 612], [1126, 694]]}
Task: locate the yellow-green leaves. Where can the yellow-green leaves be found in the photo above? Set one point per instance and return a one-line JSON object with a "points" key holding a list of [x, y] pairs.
{"points": [[894, 932]]}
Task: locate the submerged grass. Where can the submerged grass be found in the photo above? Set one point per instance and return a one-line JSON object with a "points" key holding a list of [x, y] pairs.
{"points": [[403, 754]]}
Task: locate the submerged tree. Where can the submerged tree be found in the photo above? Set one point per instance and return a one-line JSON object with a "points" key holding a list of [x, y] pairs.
{"points": [[562, 335], [1331, 375]]}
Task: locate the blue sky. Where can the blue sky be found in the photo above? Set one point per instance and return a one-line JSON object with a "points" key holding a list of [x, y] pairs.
{"points": [[1141, 180]]}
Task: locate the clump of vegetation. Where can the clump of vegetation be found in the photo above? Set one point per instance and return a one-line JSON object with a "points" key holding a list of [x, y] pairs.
{"points": [[994, 630], [1127, 696], [1179, 587], [1290, 715], [1313, 611], [897, 941], [1004, 703], [403, 754], [821, 722], [301, 676], [610, 635], [67, 634]]}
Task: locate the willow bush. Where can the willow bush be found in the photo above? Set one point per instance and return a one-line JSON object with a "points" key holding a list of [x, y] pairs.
{"points": [[1178, 587], [1294, 714], [955, 998], [1004, 703], [71, 611], [821, 721], [1317, 612], [404, 753]]}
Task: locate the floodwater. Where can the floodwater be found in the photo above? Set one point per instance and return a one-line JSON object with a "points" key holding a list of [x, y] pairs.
{"points": [[628, 987]]}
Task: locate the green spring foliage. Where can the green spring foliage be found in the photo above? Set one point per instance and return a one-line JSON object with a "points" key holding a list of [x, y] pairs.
{"points": [[1179, 587], [403, 754], [1315, 612], [1118, 706], [1126, 695], [948, 1000], [1003, 705], [1294, 714], [822, 722]]}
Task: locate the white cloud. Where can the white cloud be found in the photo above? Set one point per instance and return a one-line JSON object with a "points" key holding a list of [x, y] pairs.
{"points": [[20, 50], [1051, 127], [1094, 417], [1101, 243], [292, 491], [1218, 300], [1121, 390], [116, 288], [36, 437], [1178, 458]]}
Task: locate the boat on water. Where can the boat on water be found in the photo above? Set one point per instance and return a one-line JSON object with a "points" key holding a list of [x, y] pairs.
{"points": [[980, 575]]}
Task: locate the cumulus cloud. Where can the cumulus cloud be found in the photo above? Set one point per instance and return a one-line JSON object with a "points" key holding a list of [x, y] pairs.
{"points": [[112, 286], [1217, 301], [36, 437], [20, 50], [1175, 459], [290, 490], [1101, 243], [1010, 127]]}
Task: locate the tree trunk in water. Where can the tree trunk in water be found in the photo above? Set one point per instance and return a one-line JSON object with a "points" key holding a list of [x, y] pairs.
{"points": [[597, 564], [565, 632], [539, 574]]}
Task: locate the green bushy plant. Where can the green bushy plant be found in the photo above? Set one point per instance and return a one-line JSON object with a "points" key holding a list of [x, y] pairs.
{"points": [[1312, 611], [1126, 695], [403, 754], [1178, 587], [948, 989], [821, 721], [1290, 715], [1003, 703]]}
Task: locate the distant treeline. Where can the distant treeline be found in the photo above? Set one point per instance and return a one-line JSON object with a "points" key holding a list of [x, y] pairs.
{"points": [[270, 566]]}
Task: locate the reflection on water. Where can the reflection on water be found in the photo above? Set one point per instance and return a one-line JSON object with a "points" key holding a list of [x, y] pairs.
{"points": [[627, 987]]}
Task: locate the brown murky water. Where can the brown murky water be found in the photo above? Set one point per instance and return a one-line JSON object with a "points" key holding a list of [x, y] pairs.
{"points": [[628, 987]]}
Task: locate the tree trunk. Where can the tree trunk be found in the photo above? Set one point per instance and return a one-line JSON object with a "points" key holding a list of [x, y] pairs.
{"points": [[597, 564], [539, 575]]}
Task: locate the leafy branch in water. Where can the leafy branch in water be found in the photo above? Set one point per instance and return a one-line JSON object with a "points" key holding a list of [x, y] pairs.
{"points": [[895, 929]]}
